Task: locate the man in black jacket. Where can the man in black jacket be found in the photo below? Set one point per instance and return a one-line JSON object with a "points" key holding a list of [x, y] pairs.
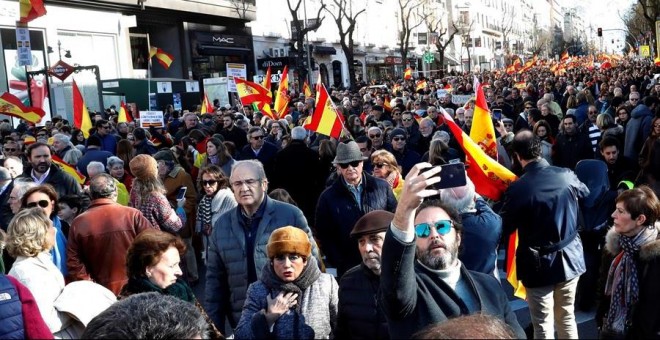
{"points": [[422, 280], [43, 171], [352, 195], [359, 316], [571, 146], [543, 205]]}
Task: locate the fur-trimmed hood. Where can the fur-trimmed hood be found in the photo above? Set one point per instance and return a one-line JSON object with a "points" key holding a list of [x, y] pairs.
{"points": [[647, 252]]}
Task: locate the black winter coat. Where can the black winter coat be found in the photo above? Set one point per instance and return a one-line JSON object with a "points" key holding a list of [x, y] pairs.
{"points": [[543, 205], [360, 316], [63, 183], [337, 212], [568, 150]]}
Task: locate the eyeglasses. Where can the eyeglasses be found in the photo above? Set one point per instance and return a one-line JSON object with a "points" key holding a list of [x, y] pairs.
{"points": [[248, 182], [443, 227], [656, 125], [508, 125], [406, 119], [375, 136], [291, 257], [209, 183], [634, 99], [41, 203], [354, 164], [10, 149], [592, 112], [399, 139], [528, 107], [380, 165], [257, 137]]}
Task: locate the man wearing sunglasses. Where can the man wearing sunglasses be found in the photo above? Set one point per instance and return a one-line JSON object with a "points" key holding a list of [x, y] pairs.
{"points": [[543, 205], [106, 134], [405, 156], [353, 194], [258, 148], [422, 280]]}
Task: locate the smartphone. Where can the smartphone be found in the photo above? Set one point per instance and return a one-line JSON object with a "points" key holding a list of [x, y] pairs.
{"points": [[451, 176], [182, 193], [497, 114]]}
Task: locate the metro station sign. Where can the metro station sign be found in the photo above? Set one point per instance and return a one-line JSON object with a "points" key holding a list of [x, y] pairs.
{"points": [[61, 70]]}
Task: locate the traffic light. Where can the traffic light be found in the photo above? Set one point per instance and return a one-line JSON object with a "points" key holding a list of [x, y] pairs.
{"points": [[600, 32]]}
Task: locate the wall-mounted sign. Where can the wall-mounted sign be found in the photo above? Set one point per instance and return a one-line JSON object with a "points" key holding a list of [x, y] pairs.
{"points": [[60, 70]]}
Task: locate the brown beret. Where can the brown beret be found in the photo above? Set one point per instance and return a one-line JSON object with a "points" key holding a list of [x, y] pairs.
{"points": [[373, 222], [143, 166], [288, 240]]}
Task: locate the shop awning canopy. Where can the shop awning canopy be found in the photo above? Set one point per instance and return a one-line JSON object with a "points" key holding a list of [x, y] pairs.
{"points": [[318, 49]]}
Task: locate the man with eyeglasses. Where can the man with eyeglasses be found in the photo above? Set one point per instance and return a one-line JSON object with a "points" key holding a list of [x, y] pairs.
{"points": [[377, 138], [633, 99], [422, 280], [590, 129], [543, 205], [353, 194], [405, 156], [237, 246], [42, 171], [105, 134], [258, 148]]}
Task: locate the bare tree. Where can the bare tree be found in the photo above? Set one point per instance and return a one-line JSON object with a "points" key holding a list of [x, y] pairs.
{"points": [[650, 11], [241, 7], [508, 16], [346, 20], [297, 44], [541, 41], [636, 24], [435, 26], [408, 12]]}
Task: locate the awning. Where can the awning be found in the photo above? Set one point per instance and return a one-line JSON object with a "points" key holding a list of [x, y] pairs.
{"points": [[318, 49], [450, 60], [218, 50]]}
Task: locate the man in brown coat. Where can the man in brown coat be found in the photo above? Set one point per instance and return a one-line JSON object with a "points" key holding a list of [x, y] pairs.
{"points": [[100, 237]]}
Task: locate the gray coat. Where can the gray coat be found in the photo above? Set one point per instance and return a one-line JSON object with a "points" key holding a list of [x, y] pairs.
{"points": [[226, 275], [315, 320]]}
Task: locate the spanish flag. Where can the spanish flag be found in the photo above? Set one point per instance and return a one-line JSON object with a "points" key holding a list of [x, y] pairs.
{"points": [[325, 120], [564, 56], [386, 104], [266, 82], [250, 92], [490, 180], [81, 117], [306, 90], [520, 85], [420, 85], [407, 74], [31, 9], [282, 97], [124, 116], [656, 61], [12, 106], [163, 57], [69, 169], [482, 131], [207, 107]]}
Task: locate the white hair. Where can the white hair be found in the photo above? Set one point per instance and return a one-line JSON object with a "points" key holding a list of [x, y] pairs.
{"points": [[94, 168], [298, 133], [62, 138], [460, 198]]}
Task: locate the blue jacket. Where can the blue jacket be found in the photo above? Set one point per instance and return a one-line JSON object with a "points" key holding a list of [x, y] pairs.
{"points": [[638, 130], [226, 274], [543, 205], [481, 235], [337, 212], [108, 143], [266, 156], [414, 297], [90, 156], [11, 313]]}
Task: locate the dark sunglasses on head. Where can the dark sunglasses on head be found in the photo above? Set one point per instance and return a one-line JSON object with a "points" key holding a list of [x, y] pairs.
{"points": [[375, 136], [380, 165], [443, 227], [354, 164], [41, 203], [211, 182]]}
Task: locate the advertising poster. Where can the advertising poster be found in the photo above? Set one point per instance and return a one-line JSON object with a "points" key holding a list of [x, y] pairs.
{"points": [[17, 78], [176, 99], [216, 88]]}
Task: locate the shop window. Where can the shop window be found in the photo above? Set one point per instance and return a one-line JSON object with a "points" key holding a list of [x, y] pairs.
{"points": [[139, 51]]}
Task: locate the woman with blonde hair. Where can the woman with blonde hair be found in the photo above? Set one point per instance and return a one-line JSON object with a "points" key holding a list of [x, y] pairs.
{"points": [[148, 195], [386, 167]]}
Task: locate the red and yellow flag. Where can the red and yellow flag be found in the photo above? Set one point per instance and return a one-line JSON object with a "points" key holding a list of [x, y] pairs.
{"points": [[420, 85], [564, 56], [325, 120], [81, 117], [386, 104], [482, 131], [207, 107], [282, 97], [124, 116], [656, 61], [12, 106], [407, 74], [69, 169], [31, 9], [250, 92], [163, 57], [266, 82], [395, 88], [306, 90]]}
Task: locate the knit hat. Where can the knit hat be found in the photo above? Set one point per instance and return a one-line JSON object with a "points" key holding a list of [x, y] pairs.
{"points": [[143, 166], [348, 152], [373, 222], [94, 140], [288, 240], [164, 155], [398, 132]]}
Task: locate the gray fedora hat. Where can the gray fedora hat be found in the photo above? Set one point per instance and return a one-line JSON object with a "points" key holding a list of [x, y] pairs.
{"points": [[348, 152]]}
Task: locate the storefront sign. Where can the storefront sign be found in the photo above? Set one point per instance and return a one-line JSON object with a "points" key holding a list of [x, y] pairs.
{"points": [[224, 40], [235, 70], [273, 63], [393, 60]]}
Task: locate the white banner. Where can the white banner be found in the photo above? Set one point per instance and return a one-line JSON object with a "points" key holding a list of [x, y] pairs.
{"points": [[235, 70], [151, 118]]}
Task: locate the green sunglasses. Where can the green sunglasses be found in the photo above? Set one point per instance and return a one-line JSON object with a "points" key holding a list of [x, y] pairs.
{"points": [[443, 227]]}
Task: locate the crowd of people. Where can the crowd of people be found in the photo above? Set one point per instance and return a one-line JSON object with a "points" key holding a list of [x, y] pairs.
{"points": [[306, 236]]}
